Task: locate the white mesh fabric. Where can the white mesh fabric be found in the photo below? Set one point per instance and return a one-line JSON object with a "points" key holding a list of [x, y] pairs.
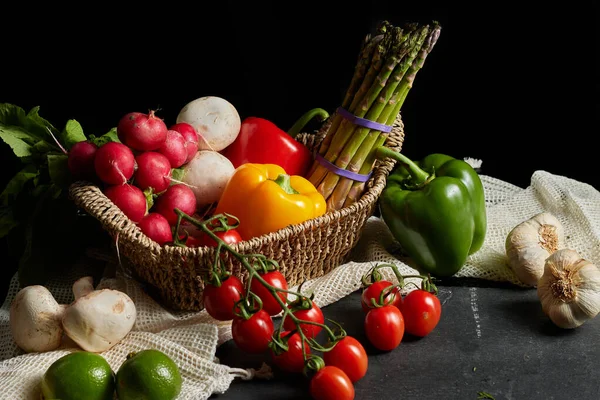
{"points": [[191, 338], [575, 204]]}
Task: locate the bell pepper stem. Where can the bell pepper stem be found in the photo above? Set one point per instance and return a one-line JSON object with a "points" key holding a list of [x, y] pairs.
{"points": [[318, 113], [283, 180], [418, 175]]}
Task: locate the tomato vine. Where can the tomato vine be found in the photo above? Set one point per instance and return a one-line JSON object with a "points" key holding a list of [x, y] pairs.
{"points": [[265, 294], [257, 265]]}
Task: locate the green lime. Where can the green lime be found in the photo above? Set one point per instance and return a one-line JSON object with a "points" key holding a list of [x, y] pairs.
{"points": [[79, 375], [148, 375]]}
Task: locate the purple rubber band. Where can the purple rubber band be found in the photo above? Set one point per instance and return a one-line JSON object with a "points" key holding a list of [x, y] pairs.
{"points": [[367, 123], [340, 171]]}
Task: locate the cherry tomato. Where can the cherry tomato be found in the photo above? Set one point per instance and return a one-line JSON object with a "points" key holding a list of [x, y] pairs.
{"points": [[373, 291], [314, 314], [273, 278], [331, 383], [384, 327], [291, 360], [220, 300], [229, 237], [253, 335], [422, 311], [350, 356]]}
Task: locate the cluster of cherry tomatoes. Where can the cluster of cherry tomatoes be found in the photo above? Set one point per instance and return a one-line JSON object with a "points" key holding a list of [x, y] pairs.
{"points": [[293, 346], [389, 315]]}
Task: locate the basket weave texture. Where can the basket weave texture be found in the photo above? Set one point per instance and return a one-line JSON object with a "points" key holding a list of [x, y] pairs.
{"points": [[304, 251]]}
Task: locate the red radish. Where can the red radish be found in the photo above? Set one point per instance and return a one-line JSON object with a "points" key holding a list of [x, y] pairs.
{"points": [[156, 227], [114, 163], [81, 160], [153, 171], [176, 196], [190, 135], [175, 148], [130, 199], [143, 132]]}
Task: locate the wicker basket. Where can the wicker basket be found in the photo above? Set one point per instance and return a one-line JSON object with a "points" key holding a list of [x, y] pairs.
{"points": [[303, 251]]}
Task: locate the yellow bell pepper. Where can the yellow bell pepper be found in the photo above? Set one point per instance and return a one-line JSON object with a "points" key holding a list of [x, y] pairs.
{"points": [[265, 199]]}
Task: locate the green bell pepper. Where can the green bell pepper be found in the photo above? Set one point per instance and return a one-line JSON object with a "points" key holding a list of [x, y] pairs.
{"points": [[435, 209]]}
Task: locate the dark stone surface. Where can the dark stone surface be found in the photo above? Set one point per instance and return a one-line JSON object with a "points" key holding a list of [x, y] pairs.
{"points": [[491, 338]]}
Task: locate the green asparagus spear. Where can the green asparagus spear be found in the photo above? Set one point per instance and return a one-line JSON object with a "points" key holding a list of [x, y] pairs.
{"points": [[384, 74], [364, 62], [379, 54], [401, 61], [358, 187], [420, 61], [367, 61]]}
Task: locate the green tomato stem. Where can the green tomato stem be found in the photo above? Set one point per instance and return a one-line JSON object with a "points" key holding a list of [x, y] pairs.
{"points": [[426, 280], [313, 364], [381, 302]]}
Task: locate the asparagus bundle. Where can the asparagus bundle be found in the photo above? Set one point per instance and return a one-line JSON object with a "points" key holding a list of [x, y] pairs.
{"points": [[385, 71]]}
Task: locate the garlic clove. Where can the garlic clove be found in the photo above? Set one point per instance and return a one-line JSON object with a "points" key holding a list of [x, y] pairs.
{"points": [[569, 289], [35, 320], [530, 243], [100, 319]]}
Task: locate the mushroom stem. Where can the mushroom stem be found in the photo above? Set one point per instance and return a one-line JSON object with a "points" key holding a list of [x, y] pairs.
{"points": [[83, 286]]}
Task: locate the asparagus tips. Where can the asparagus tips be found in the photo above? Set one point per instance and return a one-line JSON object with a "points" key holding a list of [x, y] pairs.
{"points": [[360, 70], [420, 61]]}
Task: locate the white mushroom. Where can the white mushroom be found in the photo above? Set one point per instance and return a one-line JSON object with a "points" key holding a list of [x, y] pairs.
{"points": [[216, 120], [95, 321], [98, 319], [35, 319]]}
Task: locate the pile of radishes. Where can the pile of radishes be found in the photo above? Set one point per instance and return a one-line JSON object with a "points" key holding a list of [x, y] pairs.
{"points": [[137, 172]]}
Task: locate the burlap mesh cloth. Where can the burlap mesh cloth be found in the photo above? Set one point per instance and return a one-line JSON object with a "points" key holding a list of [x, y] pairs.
{"points": [[191, 338]]}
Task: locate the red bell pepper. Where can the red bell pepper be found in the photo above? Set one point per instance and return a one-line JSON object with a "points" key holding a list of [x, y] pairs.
{"points": [[260, 141]]}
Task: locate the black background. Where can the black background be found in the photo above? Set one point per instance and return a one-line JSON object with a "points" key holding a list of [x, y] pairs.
{"points": [[509, 85]]}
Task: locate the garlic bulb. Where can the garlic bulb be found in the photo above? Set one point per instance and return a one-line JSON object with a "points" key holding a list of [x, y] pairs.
{"points": [[530, 243], [569, 289]]}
